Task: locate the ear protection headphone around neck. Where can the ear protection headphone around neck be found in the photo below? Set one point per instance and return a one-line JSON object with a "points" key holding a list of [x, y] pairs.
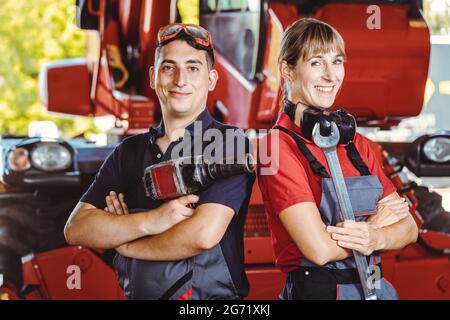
{"points": [[344, 121]]}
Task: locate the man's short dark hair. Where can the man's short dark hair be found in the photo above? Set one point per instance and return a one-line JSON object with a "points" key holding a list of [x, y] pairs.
{"points": [[190, 41]]}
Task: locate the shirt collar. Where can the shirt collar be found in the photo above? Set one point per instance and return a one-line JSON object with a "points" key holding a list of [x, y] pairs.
{"points": [[204, 118]]}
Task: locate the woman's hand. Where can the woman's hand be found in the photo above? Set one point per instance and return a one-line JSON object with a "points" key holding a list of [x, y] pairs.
{"points": [[115, 204], [359, 236], [389, 211]]}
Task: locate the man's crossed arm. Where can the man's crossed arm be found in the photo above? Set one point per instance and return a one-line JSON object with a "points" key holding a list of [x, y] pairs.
{"points": [[103, 229], [164, 233]]}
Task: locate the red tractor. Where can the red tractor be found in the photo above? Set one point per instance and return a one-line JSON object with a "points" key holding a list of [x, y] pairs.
{"points": [[385, 82]]}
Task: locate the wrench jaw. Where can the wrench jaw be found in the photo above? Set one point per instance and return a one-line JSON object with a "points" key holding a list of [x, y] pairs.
{"points": [[326, 142]]}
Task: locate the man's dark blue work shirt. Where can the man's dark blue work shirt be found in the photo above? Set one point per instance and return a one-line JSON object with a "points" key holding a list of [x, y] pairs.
{"points": [[233, 192]]}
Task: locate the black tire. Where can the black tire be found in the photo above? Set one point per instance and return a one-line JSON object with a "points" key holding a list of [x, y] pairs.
{"points": [[39, 227], [16, 238], [25, 215], [439, 223], [31, 223]]}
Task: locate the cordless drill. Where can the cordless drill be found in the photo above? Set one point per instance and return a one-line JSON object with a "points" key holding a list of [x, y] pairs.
{"points": [[188, 175]]}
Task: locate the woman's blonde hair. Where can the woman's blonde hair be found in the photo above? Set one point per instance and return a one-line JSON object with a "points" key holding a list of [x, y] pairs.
{"points": [[306, 38]]}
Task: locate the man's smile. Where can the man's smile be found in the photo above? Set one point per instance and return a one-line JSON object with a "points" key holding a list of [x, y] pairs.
{"points": [[175, 93]]}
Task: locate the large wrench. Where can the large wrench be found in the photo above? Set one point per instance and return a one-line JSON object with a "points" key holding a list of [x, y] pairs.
{"points": [[328, 145]]}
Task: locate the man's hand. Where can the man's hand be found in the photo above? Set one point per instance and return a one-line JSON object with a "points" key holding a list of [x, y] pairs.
{"points": [[122, 250], [115, 204], [170, 213], [175, 211], [359, 236], [389, 211]]}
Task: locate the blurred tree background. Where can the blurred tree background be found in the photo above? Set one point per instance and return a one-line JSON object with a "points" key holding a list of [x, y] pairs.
{"points": [[189, 11], [437, 14], [32, 33]]}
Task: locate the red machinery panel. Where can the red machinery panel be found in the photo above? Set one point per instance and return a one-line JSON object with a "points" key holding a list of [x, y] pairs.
{"points": [[50, 272], [64, 87], [386, 69]]}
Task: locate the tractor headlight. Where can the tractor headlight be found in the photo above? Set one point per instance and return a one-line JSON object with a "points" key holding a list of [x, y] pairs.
{"points": [[51, 156], [19, 159], [437, 149]]}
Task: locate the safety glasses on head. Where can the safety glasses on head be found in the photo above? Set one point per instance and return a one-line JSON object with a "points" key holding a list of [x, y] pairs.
{"points": [[200, 35]]}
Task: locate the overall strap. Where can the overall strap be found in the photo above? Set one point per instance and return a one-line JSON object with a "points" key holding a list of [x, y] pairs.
{"points": [[356, 159], [316, 166], [132, 160]]}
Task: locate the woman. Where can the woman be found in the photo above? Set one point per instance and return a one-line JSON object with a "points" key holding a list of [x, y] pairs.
{"points": [[311, 244]]}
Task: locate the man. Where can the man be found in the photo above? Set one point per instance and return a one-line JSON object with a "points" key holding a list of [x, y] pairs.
{"points": [[166, 250]]}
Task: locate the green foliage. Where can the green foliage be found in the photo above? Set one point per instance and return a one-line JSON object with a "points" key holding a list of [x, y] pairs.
{"points": [[32, 33], [189, 11], [437, 15]]}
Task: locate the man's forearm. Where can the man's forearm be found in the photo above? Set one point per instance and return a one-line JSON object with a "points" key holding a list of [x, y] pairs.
{"points": [[398, 235], [179, 242], [186, 239], [96, 228]]}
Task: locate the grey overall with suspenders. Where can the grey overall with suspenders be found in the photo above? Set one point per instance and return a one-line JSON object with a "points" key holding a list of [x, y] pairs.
{"points": [[204, 277], [339, 279]]}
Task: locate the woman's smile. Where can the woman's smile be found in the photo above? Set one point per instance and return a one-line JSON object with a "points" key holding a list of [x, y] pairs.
{"points": [[325, 89]]}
